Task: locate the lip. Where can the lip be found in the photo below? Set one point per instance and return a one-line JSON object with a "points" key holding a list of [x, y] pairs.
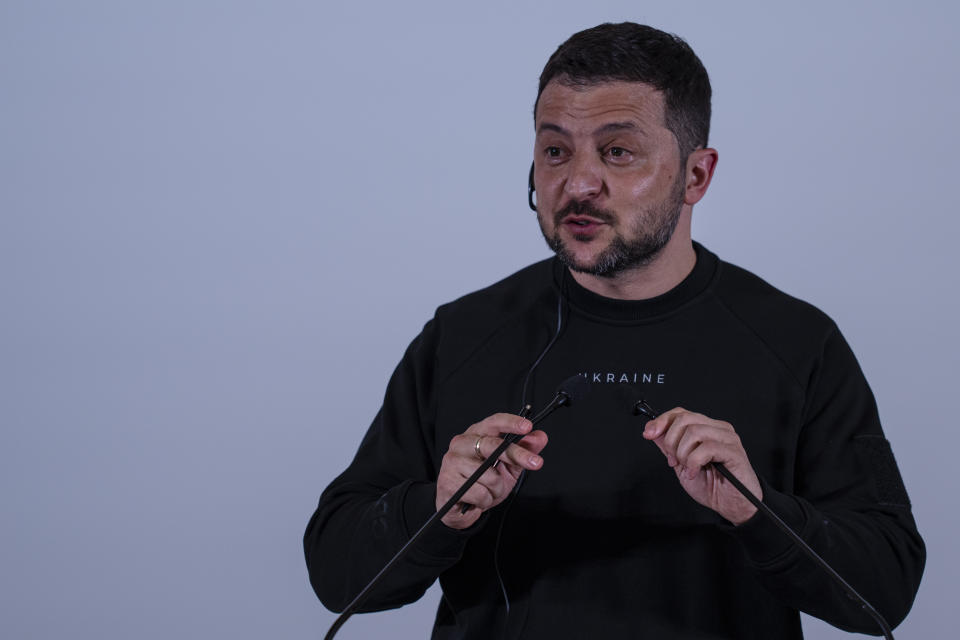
{"points": [[581, 224]]}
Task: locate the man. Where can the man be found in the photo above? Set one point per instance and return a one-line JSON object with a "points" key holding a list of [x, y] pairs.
{"points": [[621, 528]]}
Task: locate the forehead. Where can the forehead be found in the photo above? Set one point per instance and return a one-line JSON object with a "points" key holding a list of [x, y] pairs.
{"points": [[590, 106]]}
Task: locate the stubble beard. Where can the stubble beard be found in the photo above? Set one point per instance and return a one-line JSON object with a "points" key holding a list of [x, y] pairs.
{"points": [[649, 235]]}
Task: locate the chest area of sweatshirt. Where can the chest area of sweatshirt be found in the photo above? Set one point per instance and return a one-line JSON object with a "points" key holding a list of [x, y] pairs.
{"points": [[704, 363]]}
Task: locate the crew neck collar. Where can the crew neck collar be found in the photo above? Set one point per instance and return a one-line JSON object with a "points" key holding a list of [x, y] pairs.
{"points": [[613, 309]]}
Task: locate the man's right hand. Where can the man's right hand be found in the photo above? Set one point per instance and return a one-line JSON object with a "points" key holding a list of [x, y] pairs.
{"points": [[470, 448]]}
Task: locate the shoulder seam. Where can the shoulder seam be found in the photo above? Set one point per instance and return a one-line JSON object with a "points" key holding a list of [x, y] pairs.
{"points": [[760, 339], [467, 357], [493, 331]]}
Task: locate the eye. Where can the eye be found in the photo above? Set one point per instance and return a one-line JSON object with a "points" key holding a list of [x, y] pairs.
{"points": [[554, 153], [618, 154]]}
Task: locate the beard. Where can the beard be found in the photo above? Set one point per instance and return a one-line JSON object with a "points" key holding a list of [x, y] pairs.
{"points": [[647, 237]]}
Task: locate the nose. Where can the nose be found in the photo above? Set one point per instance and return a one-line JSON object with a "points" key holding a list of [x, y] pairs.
{"points": [[585, 177]]}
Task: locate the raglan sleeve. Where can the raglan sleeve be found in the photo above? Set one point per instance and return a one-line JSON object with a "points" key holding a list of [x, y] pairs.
{"points": [[386, 493], [849, 504]]}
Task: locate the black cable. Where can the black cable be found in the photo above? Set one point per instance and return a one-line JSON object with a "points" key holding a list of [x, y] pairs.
{"points": [[641, 407], [525, 412], [496, 544], [560, 399], [556, 334], [523, 474]]}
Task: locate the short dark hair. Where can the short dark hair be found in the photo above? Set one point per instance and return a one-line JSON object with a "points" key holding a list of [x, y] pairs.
{"points": [[637, 53]]}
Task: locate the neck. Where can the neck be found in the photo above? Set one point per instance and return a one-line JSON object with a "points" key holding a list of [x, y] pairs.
{"points": [[667, 269]]}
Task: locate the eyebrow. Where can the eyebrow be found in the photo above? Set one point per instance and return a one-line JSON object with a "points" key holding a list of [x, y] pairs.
{"points": [[616, 126], [610, 127], [549, 126]]}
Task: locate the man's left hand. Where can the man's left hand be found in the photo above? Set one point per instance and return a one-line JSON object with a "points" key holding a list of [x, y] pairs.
{"points": [[690, 442]]}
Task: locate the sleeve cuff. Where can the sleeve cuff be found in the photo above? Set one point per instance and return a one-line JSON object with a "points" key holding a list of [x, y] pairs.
{"points": [[762, 540], [439, 541]]}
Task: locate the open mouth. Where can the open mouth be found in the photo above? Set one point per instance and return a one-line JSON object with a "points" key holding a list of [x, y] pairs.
{"points": [[582, 222], [582, 229]]}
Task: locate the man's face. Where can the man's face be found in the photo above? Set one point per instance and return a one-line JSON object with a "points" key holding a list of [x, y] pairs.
{"points": [[610, 181]]}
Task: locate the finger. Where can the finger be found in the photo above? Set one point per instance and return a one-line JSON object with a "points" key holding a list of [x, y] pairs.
{"points": [[674, 434], [479, 496], [464, 468], [513, 457], [678, 425], [476, 496], [656, 427], [480, 447], [671, 459], [700, 457], [473, 446], [521, 457], [697, 434], [667, 430], [535, 441], [680, 429], [730, 454], [500, 479], [500, 423], [691, 459], [659, 443], [485, 493], [467, 442]]}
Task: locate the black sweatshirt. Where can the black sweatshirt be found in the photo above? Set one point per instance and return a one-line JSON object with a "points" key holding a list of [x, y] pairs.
{"points": [[603, 541]]}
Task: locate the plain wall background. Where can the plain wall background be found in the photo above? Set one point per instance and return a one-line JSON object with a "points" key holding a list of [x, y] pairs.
{"points": [[222, 222]]}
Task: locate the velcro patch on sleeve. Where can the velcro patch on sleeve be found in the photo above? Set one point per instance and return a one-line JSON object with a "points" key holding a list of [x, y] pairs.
{"points": [[877, 457]]}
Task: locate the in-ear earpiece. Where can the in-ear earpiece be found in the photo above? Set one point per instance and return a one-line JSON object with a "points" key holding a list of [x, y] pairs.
{"points": [[530, 189]]}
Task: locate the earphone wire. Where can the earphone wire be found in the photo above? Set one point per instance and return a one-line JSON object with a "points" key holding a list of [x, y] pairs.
{"points": [[524, 411]]}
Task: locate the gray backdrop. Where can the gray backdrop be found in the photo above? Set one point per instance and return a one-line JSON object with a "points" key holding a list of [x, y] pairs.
{"points": [[222, 222]]}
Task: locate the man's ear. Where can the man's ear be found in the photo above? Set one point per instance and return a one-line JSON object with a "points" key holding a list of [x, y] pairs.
{"points": [[701, 164]]}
